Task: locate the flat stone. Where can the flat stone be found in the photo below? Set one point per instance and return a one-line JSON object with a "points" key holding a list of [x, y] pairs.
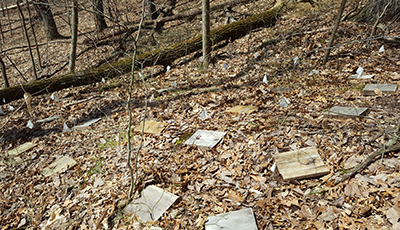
{"points": [[242, 109], [300, 164], [152, 204], [20, 149], [152, 127], [64, 162], [205, 139], [385, 88], [346, 111], [236, 220]]}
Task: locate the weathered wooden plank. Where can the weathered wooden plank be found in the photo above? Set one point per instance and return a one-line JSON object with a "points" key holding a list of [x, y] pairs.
{"points": [[152, 127], [242, 109], [64, 162], [20, 149], [300, 164]]}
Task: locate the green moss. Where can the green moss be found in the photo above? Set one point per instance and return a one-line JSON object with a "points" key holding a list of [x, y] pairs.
{"points": [[97, 168], [183, 138]]}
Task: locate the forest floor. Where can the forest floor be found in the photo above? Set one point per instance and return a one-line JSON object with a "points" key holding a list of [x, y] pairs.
{"points": [[238, 172]]}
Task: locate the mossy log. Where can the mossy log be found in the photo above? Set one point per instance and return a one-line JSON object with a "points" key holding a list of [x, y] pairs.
{"points": [[161, 56], [128, 31]]}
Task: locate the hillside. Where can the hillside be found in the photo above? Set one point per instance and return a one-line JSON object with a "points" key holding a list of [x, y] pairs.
{"points": [[238, 172]]}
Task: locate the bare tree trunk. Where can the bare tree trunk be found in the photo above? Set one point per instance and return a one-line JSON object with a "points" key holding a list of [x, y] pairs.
{"points": [[34, 35], [206, 32], [2, 8], [4, 74], [9, 21], [27, 39], [99, 15], [50, 25], [2, 35], [338, 17], [74, 36]]}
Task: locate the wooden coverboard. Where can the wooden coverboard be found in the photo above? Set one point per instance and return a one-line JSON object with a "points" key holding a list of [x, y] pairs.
{"points": [[64, 162], [300, 164], [20, 149], [242, 109], [152, 127]]}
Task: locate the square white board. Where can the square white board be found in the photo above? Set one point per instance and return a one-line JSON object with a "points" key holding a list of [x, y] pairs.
{"points": [[346, 111], [152, 204], [236, 220], [205, 139], [49, 119], [86, 124]]}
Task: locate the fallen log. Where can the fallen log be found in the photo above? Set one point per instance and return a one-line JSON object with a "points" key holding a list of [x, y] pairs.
{"points": [[101, 40], [160, 57]]}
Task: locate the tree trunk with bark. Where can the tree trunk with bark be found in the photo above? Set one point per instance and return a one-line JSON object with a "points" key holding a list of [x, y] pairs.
{"points": [[27, 39], [43, 8], [337, 21], [160, 57], [370, 12], [99, 15], [3, 73], [206, 33], [74, 36]]}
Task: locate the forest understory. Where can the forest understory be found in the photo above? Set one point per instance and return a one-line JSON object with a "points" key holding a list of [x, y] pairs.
{"points": [[239, 171]]}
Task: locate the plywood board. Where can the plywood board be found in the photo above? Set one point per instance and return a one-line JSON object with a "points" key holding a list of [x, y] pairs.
{"points": [[64, 162], [236, 220], [152, 204], [152, 127], [205, 139], [22, 148], [384, 88], [300, 164], [346, 111], [242, 109]]}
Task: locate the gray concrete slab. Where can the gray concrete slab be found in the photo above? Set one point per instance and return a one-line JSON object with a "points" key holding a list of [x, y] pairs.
{"points": [[236, 220], [346, 111], [384, 88]]}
